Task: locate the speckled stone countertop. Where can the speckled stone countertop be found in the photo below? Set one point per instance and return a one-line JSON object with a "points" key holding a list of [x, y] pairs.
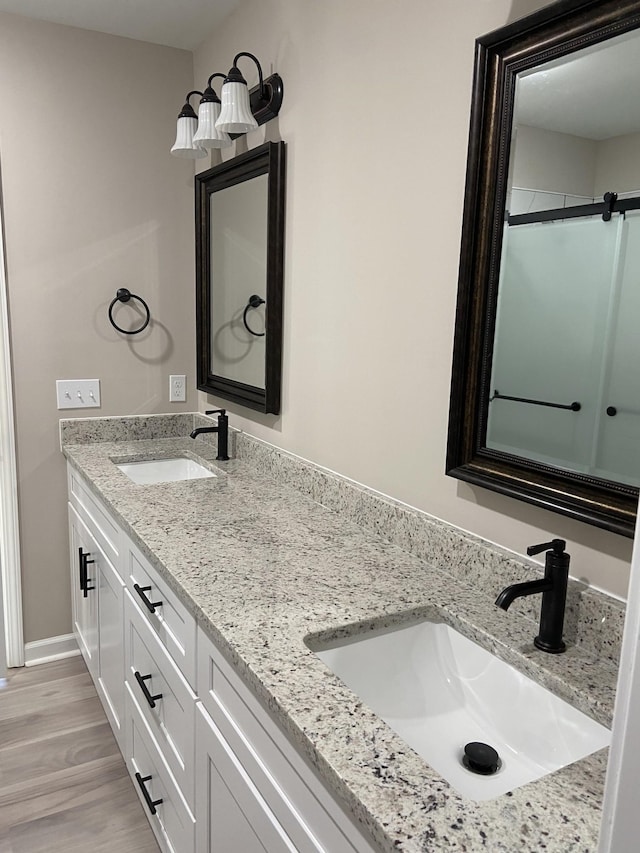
{"points": [[262, 567]]}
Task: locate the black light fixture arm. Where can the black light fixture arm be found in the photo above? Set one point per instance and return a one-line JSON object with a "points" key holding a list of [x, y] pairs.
{"points": [[187, 110], [210, 93], [231, 74]]}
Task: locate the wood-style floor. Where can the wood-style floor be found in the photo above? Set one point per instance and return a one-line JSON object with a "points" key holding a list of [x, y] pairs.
{"points": [[63, 782]]}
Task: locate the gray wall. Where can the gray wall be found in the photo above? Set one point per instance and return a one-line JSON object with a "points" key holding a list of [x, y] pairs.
{"points": [[376, 117], [92, 202]]}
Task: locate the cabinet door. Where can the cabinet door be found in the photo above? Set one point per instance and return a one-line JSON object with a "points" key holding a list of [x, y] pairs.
{"points": [[231, 814], [98, 621], [84, 594], [111, 641]]}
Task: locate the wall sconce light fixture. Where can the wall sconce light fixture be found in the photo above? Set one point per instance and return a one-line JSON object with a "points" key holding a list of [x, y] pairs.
{"points": [[219, 122]]}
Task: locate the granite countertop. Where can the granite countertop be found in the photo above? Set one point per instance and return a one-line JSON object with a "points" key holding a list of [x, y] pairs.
{"points": [[262, 567]]}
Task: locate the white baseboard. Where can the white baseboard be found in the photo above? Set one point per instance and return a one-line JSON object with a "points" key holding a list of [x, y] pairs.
{"points": [[50, 649]]}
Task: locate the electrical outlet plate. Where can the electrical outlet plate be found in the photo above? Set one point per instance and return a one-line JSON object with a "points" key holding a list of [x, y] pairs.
{"points": [[78, 393], [177, 389]]}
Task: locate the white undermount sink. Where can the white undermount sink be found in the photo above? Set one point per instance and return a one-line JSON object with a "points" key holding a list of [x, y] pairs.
{"points": [[439, 690], [164, 470]]}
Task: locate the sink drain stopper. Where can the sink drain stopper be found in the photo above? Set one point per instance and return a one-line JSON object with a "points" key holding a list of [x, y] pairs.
{"points": [[481, 758]]}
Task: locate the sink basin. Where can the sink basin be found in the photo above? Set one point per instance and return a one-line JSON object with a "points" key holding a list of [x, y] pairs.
{"points": [[164, 470], [439, 691]]}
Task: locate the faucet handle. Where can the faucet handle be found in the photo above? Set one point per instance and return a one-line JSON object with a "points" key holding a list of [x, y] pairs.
{"points": [[556, 545], [215, 411]]}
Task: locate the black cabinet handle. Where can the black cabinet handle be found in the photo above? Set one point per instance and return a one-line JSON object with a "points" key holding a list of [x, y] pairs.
{"points": [[147, 797], [612, 411], [150, 605], [141, 681], [83, 569], [84, 580]]}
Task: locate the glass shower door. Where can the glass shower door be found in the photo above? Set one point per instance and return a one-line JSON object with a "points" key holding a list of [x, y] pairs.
{"points": [[553, 306], [617, 452]]}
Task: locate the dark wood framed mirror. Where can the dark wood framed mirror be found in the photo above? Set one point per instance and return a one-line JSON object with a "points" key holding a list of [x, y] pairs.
{"points": [[240, 208], [545, 394]]}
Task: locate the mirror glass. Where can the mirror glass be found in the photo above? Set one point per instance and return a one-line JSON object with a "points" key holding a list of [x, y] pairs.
{"points": [[565, 389], [239, 269], [545, 394]]}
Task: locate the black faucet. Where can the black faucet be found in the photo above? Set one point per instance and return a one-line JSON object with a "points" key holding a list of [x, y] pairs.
{"points": [[222, 429], [554, 594]]}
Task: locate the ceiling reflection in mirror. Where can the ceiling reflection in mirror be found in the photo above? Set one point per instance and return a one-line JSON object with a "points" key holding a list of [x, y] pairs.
{"points": [[565, 384]]}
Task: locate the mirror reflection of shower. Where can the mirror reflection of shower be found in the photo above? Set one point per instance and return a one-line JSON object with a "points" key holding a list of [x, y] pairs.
{"points": [[568, 297], [567, 332]]}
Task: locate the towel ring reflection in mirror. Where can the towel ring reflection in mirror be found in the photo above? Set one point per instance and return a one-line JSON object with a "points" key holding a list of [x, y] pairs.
{"points": [[124, 295], [254, 302]]}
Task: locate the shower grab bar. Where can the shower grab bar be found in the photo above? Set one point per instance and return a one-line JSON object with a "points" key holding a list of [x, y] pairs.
{"points": [[573, 407]]}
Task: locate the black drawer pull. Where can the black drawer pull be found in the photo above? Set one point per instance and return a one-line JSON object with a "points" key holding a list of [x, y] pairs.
{"points": [[83, 569], [141, 681], [612, 411], [150, 605], [84, 580], [147, 797]]}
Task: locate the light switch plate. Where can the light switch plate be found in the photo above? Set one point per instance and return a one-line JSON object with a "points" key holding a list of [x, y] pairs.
{"points": [[78, 393]]}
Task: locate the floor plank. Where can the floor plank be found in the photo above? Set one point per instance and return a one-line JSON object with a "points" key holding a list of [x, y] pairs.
{"points": [[35, 697], [67, 750], [24, 676], [64, 787]]}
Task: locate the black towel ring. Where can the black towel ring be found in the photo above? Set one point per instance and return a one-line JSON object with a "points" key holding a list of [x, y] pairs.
{"points": [[254, 302], [124, 295]]}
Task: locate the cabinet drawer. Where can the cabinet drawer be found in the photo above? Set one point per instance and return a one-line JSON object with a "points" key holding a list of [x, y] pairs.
{"points": [[303, 806], [172, 822], [164, 697], [107, 534], [170, 620]]}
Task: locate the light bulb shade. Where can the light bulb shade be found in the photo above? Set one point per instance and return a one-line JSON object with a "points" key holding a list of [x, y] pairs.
{"points": [[236, 115], [184, 145], [208, 135]]}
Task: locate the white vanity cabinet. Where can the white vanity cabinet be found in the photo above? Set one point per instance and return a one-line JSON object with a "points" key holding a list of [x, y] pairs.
{"points": [[213, 770]]}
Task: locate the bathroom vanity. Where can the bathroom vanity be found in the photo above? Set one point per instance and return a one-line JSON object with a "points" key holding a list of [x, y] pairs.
{"points": [[194, 603]]}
